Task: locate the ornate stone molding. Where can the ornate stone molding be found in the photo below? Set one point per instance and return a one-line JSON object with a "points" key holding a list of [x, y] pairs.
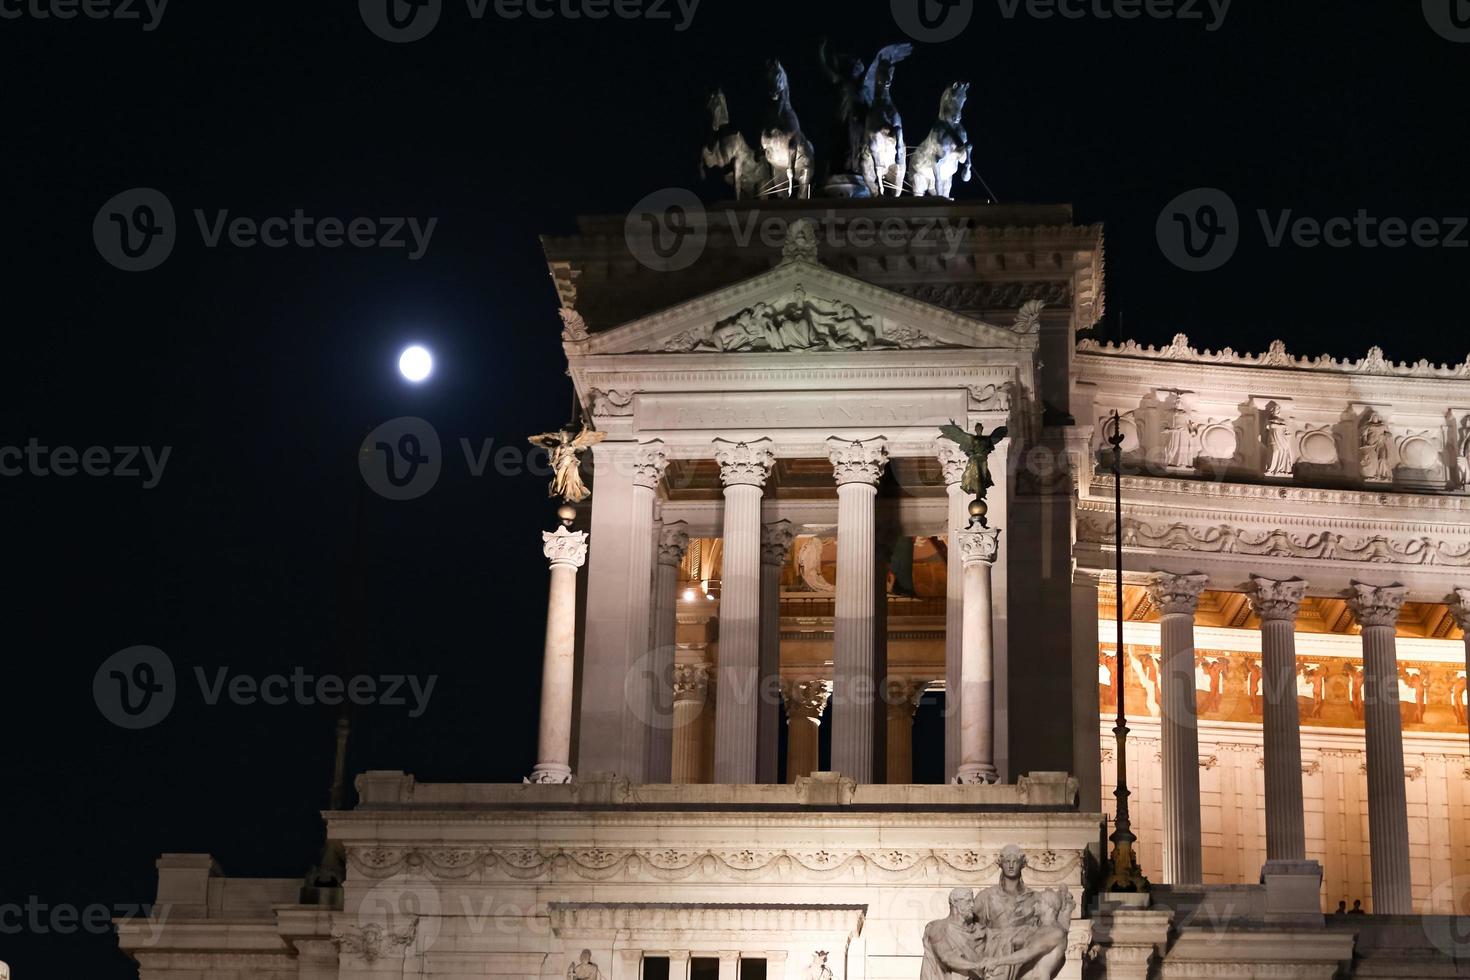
{"points": [[806, 699], [976, 546], [989, 398], [1274, 600], [1028, 320], [989, 296], [858, 462], [574, 327], [776, 539], [801, 242], [673, 544], [580, 919], [1277, 357], [611, 404], [1459, 604], [744, 464], [649, 464], [1376, 605], [564, 547], [373, 941], [1177, 595]]}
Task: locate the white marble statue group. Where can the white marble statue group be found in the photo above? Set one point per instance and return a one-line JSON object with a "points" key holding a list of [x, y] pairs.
{"points": [[1008, 931]]}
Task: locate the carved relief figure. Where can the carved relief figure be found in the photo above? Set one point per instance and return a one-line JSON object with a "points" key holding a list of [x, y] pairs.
{"points": [[1374, 443], [1462, 459], [1457, 697], [804, 324], [1179, 434], [1277, 441], [818, 969], [947, 148], [584, 968], [566, 460]]}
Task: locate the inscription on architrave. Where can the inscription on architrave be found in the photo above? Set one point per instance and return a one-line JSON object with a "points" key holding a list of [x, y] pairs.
{"points": [[798, 410]]}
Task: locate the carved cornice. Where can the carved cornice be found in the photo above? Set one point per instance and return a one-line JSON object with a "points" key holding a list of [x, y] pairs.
{"points": [[1177, 595], [734, 864], [1309, 497], [581, 919], [649, 465], [1274, 600], [1376, 605], [1277, 357], [858, 462], [564, 547], [744, 464]]}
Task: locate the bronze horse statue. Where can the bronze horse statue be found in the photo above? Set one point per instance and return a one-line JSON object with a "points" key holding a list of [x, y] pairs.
{"points": [[884, 161], [788, 151], [947, 148], [728, 153]]}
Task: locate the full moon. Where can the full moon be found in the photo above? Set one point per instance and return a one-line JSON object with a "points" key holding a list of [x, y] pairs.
{"points": [[416, 364]]}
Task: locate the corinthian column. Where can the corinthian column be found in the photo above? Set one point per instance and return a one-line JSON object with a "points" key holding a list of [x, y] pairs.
{"points": [[649, 464], [775, 546], [978, 551], [1377, 612], [805, 702], [673, 542], [743, 469], [1278, 605], [1177, 598], [567, 551], [953, 459], [691, 692], [856, 722], [1460, 609]]}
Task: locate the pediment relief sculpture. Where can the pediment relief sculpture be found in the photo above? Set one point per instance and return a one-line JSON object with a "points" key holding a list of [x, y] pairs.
{"points": [[805, 323]]}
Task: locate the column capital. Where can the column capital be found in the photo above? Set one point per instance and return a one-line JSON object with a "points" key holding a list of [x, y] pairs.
{"points": [[1459, 602], [776, 539], [563, 547], [1177, 595], [952, 459], [1277, 600], [904, 692], [1376, 605], [649, 462], [858, 461], [691, 682], [806, 699], [673, 543], [744, 463], [977, 546]]}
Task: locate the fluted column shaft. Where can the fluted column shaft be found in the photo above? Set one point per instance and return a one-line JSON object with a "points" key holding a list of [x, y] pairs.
{"points": [[805, 702], [743, 468], [648, 468], [1177, 597], [952, 458], [1278, 605], [1377, 612], [673, 542], [978, 551], [776, 541], [903, 701], [566, 551], [857, 466], [691, 693]]}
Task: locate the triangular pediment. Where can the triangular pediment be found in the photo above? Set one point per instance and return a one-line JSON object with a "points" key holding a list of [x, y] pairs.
{"points": [[801, 307]]}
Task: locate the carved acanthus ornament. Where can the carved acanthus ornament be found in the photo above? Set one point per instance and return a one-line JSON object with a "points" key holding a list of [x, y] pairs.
{"points": [[564, 547], [673, 544], [858, 462], [801, 242], [611, 404], [1277, 600], [1376, 605], [574, 327], [649, 465], [1177, 595], [691, 682], [953, 459], [979, 546], [776, 542], [1374, 364], [806, 699], [372, 941], [744, 464], [1029, 319], [989, 398]]}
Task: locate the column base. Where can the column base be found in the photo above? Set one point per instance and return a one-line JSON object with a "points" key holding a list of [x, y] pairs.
{"points": [[977, 775], [550, 774], [1293, 892]]}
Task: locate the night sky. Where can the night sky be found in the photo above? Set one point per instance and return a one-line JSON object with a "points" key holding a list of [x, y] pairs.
{"points": [[261, 369]]}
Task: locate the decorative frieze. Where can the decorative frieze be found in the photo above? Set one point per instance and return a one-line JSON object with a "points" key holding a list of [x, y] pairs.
{"points": [[1277, 357]]}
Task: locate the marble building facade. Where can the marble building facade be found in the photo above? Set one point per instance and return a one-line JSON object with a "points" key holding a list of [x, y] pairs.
{"points": [[776, 555]]}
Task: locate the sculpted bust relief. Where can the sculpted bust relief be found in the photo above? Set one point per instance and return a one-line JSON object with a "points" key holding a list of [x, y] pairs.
{"points": [[584, 968], [1008, 931]]}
